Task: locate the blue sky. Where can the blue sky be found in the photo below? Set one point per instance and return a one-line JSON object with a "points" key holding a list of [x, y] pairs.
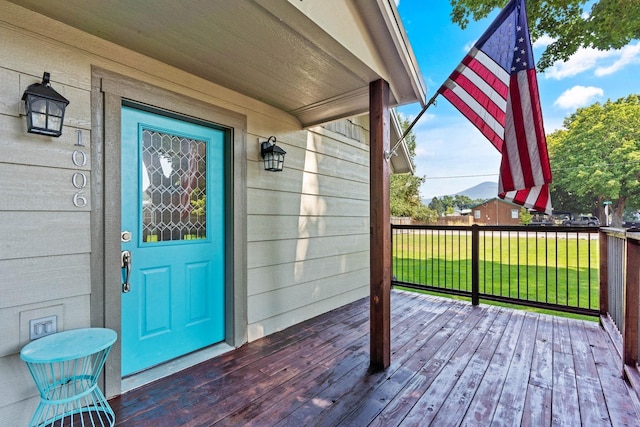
{"points": [[451, 152]]}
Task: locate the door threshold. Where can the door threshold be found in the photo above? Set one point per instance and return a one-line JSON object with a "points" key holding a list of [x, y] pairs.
{"points": [[171, 367]]}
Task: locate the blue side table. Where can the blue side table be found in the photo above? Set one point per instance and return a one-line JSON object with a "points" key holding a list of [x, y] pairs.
{"points": [[65, 367]]}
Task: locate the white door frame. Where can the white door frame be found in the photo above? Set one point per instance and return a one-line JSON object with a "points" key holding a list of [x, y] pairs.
{"points": [[108, 90]]}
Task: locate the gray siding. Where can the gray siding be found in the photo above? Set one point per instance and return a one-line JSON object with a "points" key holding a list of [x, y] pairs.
{"points": [[45, 244], [307, 241]]}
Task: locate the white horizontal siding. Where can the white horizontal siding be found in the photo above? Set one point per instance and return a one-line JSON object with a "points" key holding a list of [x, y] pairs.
{"points": [[310, 183], [273, 278], [281, 321], [266, 227], [275, 252], [291, 298], [274, 202], [308, 229]]}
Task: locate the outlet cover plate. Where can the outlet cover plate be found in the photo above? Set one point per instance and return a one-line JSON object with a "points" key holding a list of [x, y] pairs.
{"points": [[42, 327]]}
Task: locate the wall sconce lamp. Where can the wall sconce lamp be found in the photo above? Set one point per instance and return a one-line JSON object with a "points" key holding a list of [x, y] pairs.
{"points": [[45, 108], [273, 155]]}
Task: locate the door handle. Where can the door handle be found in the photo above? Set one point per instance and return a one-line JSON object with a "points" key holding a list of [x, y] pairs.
{"points": [[126, 264]]}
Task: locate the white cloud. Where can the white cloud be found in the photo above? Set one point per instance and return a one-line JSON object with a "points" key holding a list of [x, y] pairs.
{"points": [[603, 62], [578, 96], [629, 54], [581, 61], [543, 41]]}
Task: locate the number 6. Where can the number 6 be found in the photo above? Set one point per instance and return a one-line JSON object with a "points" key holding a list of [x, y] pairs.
{"points": [[79, 200]]}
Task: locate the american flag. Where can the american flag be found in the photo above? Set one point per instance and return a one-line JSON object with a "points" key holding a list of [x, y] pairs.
{"points": [[495, 87]]}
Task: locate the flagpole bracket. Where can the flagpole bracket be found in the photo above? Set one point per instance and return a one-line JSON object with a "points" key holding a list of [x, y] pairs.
{"points": [[389, 153]]}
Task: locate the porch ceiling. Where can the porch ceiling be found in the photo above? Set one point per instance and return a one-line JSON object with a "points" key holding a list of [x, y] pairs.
{"points": [[271, 50]]}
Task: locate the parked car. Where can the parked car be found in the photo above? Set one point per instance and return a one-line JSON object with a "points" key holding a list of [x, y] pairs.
{"points": [[586, 220]]}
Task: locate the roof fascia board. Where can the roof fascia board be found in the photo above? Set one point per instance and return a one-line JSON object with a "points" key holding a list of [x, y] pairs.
{"points": [[398, 48]]}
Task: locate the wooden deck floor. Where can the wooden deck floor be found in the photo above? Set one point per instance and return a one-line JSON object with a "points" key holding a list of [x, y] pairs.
{"points": [[452, 364]]}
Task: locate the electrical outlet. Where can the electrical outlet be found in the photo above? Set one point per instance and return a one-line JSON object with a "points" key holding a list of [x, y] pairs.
{"points": [[42, 327]]}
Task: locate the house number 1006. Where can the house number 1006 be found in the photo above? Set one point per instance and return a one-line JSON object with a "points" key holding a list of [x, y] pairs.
{"points": [[79, 179]]}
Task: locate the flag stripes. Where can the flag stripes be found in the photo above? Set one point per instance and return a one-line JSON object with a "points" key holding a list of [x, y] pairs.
{"points": [[495, 87], [478, 88]]}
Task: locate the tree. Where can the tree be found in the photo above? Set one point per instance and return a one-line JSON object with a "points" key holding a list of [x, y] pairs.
{"points": [[525, 216], [596, 157], [610, 24], [440, 204], [405, 194], [448, 204], [461, 202], [405, 188]]}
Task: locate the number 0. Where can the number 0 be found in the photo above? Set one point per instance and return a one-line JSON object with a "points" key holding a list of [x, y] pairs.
{"points": [[79, 180], [79, 158]]}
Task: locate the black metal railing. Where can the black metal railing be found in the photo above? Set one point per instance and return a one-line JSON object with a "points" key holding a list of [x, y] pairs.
{"points": [[546, 267]]}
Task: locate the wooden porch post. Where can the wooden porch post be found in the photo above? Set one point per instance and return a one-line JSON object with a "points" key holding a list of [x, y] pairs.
{"points": [[380, 244]]}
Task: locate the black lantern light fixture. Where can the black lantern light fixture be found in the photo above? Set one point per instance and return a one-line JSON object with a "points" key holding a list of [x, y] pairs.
{"points": [[45, 108], [273, 155]]}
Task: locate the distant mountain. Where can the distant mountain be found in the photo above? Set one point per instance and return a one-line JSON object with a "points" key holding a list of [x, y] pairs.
{"points": [[485, 190]]}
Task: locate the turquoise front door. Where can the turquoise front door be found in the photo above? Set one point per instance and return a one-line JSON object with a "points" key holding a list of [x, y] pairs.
{"points": [[173, 249]]}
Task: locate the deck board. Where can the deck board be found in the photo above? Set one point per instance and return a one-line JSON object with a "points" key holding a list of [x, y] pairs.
{"points": [[485, 401], [452, 364], [449, 368], [537, 410], [593, 408], [511, 403], [452, 411]]}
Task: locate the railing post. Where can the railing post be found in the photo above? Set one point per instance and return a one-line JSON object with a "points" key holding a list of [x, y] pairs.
{"points": [[631, 302], [604, 273], [475, 264]]}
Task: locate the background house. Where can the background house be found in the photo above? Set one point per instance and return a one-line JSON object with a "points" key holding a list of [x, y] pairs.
{"points": [[290, 245], [496, 212]]}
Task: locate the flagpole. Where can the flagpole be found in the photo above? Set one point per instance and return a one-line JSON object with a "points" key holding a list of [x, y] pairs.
{"points": [[406, 132]]}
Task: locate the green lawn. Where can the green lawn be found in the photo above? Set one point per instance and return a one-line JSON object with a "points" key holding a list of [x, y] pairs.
{"points": [[526, 266]]}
